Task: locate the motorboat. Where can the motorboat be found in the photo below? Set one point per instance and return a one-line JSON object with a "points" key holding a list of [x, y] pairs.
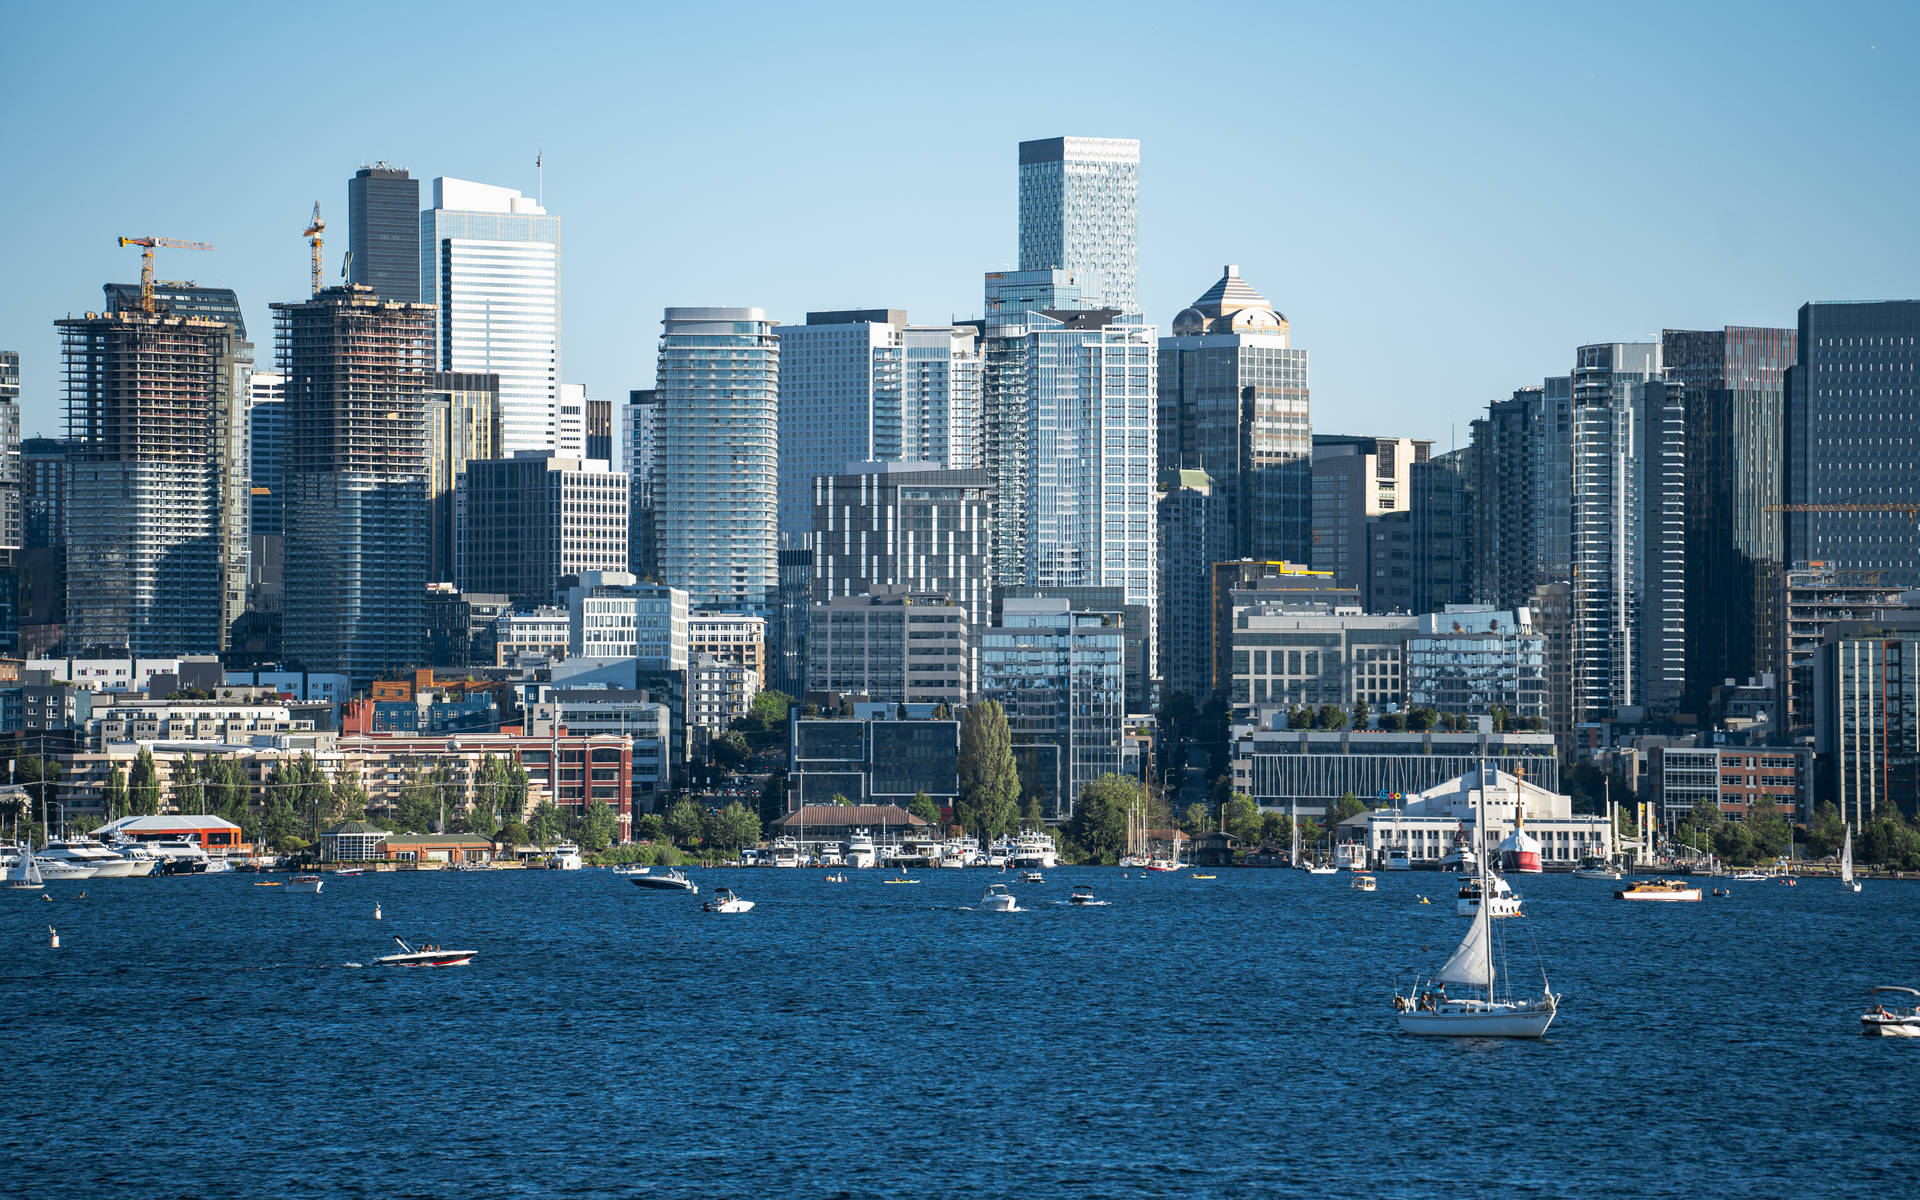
{"points": [[724, 901], [1035, 848], [1659, 889], [860, 853], [786, 853], [1504, 903], [1082, 894], [1322, 869], [348, 872], [1881, 1021], [566, 857], [1751, 876], [1398, 859], [998, 899], [1363, 882], [22, 874], [1594, 868], [1847, 880], [962, 852], [183, 856], [87, 852], [657, 879], [1459, 855], [306, 884], [426, 956], [1351, 855], [1031, 877]]}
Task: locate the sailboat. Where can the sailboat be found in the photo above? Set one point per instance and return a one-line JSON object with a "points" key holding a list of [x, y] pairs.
{"points": [[24, 874], [1430, 1012], [1846, 863]]}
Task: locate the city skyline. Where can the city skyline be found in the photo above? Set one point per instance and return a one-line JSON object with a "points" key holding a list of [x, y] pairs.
{"points": [[1406, 183]]}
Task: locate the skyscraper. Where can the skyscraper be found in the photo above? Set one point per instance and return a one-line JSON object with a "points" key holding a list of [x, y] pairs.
{"points": [[357, 549], [717, 471], [1853, 404], [12, 532], [383, 231], [154, 427], [1012, 297], [1358, 481], [1079, 212], [637, 459], [1736, 464], [490, 261], [530, 520], [463, 426], [600, 431], [839, 402], [267, 454], [1233, 403]]}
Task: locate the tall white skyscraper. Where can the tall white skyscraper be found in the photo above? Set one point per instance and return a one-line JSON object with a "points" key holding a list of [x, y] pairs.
{"points": [[839, 402], [571, 432], [490, 261], [940, 416], [1079, 212]]}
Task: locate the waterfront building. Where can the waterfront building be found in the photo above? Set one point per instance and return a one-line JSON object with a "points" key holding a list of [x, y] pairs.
{"points": [[717, 481], [1079, 212], [490, 263], [1282, 767], [1732, 778], [1012, 298], [1853, 402], [1866, 716], [463, 426], [156, 500], [1233, 402], [383, 231], [1815, 597], [357, 544], [1469, 658], [1425, 824], [1059, 674], [637, 441], [1735, 477], [892, 646], [529, 521], [610, 615], [871, 761]]}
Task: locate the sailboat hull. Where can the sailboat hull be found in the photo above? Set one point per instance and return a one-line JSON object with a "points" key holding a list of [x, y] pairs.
{"points": [[1500, 1021]]}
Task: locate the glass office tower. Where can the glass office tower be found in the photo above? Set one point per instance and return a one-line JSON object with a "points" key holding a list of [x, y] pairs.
{"points": [[383, 231], [1079, 212]]}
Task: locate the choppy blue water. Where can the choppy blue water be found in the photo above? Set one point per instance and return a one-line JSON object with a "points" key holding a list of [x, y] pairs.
{"points": [[1232, 1037]]}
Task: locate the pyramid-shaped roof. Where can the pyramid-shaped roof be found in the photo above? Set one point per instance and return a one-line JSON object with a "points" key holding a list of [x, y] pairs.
{"points": [[1229, 306], [1230, 294]]}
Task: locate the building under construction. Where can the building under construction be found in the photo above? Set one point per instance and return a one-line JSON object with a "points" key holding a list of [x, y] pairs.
{"points": [[357, 561], [156, 441]]}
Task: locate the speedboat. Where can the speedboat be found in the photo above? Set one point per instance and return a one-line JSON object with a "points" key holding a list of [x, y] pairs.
{"points": [[427, 956], [1082, 894], [345, 872], [1503, 904], [86, 852], [724, 901], [1363, 883], [1659, 889], [1881, 1021], [1321, 869], [307, 884], [1751, 876], [998, 899], [670, 879]]}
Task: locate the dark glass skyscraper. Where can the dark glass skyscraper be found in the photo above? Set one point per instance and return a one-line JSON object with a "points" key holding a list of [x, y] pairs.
{"points": [[383, 232], [1852, 412], [1735, 415]]}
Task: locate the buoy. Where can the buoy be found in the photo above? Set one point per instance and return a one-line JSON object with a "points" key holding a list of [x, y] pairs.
{"points": [[53, 938], [376, 910]]}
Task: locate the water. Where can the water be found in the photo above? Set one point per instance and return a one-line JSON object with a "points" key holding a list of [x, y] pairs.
{"points": [[1232, 1037]]}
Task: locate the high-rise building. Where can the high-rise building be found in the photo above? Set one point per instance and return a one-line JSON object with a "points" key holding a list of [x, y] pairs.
{"points": [[529, 521], [1866, 710], [940, 415], [357, 549], [383, 231], [600, 431], [267, 454], [156, 505], [1090, 480], [184, 300], [1471, 658], [892, 646], [1440, 528], [463, 426], [1242, 582], [1287, 653], [1853, 403], [1233, 403], [1012, 297], [1735, 470], [839, 402], [571, 440], [1195, 533], [43, 492], [1814, 598], [12, 533], [637, 460], [490, 261], [1079, 212], [1356, 482], [734, 637], [717, 470], [1058, 673]]}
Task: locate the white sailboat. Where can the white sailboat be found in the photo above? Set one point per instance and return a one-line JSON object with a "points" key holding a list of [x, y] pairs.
{"points": [[24, 874], [1846, 863], [1431, 1012]]}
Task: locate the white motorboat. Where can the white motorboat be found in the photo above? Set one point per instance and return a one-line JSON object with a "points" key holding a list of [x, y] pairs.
{"points": [[724, 901], [22, 874], [427, 956], [1594, 868], [86, 852], [566, 857], [1427, 1010], [307, 885], [1504, 903], [662, 879], [860, 852], [786, 853], [1847, 880], [1881, 1021], [1031, 877], [1659, 889], [1322, 869], [1351, 855], [1751, 876], [61, 870], [1035, 848], [1082, 894], [1363, 882], [998, 899], [1398, 859]]}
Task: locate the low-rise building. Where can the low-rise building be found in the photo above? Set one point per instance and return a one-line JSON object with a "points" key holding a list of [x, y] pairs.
{"points": [[1471, 658], [1426, 823], [538, 633], [878, 761], [352, 842], [893, 647], [734, 637], [719, 691], [215, 835], [1312, 769], [1732, 777], [637, 714], [127, 719], [1287, 654]]}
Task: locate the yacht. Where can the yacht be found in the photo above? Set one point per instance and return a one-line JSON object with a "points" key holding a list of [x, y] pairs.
{"points": [[1031, 877], [1459, 855], [566, 857], [860, 852], [86, 852], [724, 901], [1594, 868], [1351, 855], [1658, 889], [786, 853], [1398, 859], [306, 884], [183, 856], [962, 852], [54, 869], [1503, 904], [426, 956], [662, 879], [998, 899], [1881, 1021], [1035, 848]]}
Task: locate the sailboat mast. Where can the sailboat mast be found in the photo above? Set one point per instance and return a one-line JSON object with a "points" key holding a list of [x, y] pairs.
{"points": [[1486, 889]]}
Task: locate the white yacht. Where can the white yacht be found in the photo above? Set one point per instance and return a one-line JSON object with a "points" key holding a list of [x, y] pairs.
{"points": [[998, 899], [961, 852], [1398, 859], [860, 852], [1503, 904], [60, 870], [661, 879], [786, 853], [566, 857], [1035, 848], [86, 852]]}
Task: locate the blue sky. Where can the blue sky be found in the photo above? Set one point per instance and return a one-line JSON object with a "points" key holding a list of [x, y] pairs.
{"points": [[1444, 199]]}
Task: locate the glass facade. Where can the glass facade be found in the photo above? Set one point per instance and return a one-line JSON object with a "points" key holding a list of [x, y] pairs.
{"points": [[1060, 676], [383, 231], [1079, 212], [1011, 298]]}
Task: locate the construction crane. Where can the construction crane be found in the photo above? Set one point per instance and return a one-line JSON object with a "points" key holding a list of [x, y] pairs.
{"points": [[147, 245], [312, 235], [1910, 509]]}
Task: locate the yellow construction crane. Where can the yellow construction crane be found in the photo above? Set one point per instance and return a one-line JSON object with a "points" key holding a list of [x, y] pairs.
{"points": [[146, 245], [312, 235], [1911, 509]]}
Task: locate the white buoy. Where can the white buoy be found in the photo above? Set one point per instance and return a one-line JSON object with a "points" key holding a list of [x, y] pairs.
{"points": [[53, 938], [376, 910]]}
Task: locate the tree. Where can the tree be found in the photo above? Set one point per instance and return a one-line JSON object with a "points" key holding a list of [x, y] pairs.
{"points": [[1299, 717], [418, 805], [1276, 827], [1099, 824], [114, 797], [989, 780], [599, 827], [1331, 716], [1196, 819], [548, 824], [924, 808], [313, 795], [1826, 831], [1394, 722], [1348, 806], [1361, 714], [1421, 719], [1771, 832], [840, 800], [1733, 841], [769, 710], [686, 821], [1499, 714], [143, 786], [348, 794], [734, 826], [1242, 817], [513, 833], [729, 750]]}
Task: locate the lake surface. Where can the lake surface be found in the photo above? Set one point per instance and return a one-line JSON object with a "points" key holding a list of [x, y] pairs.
{"points": [[1226, 1037]]}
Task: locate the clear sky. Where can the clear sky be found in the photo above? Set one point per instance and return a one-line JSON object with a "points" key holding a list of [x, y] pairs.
{"points": [[1444, 199]]}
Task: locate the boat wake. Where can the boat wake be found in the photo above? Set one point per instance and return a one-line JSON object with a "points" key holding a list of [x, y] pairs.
{"points": [[1083, 903]]}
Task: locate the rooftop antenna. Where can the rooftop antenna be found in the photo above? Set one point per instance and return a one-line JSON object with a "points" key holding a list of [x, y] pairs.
{"points": [[540, 186]]}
